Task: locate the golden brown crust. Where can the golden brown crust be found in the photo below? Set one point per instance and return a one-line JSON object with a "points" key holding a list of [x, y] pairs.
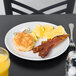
{"points": [[23, 41]]}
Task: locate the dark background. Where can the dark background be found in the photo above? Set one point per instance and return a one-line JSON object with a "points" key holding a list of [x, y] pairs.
{"points": [[20, 67]]}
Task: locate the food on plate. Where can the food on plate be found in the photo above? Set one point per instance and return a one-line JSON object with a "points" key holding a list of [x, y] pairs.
{"points": [[48, 27], [44, 48], [47, 30], [23, 41], [15, 33], [59, 30], [27, 30], [34, 36], [41, 31], [38, 30]]}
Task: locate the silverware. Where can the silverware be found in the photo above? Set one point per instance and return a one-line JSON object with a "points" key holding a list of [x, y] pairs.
{"points": [[70, 67], [72, 44]]}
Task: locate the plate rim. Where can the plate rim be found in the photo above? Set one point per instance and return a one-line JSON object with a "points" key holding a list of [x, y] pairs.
{"points": [[43, 59]]}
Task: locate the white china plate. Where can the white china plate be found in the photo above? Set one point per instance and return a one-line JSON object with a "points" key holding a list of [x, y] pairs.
{"points": [[55, 52]]}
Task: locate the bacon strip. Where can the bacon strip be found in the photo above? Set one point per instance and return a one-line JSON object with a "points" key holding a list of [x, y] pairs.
{"points": [[45, 47], [40, 47]]}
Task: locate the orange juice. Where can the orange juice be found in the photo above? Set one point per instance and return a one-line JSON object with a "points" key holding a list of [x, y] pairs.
{"points": [[4, 64]]}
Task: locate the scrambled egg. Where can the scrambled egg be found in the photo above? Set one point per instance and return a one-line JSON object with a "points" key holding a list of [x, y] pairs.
{"points": [[38, 30], [48, 27], [47, 31], [34, 36], [57, 31]]}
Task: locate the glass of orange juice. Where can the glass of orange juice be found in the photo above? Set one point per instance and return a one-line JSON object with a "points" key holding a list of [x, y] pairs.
{"points": [[4, 62]]}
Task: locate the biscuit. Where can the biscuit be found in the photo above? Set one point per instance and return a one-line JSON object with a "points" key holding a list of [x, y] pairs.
{"points": [[23, 42]]}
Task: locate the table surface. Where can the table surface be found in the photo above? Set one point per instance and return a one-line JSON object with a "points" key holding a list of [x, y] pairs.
{"points": [[20, 67]]}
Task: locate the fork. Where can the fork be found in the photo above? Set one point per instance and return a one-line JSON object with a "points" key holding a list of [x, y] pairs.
{"points": [[72, 44]]}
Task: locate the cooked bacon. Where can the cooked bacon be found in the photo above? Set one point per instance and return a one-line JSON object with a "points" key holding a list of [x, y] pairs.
{"points": [[40, 47], [53, 43], [43, 53], [43, 42], [45, 47]]}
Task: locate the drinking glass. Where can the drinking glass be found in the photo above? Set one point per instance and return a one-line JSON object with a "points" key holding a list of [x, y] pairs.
{"points": [[4, 62]]}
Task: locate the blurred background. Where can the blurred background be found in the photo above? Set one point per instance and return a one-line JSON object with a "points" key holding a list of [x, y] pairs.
{"points": [[36, 4]]}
